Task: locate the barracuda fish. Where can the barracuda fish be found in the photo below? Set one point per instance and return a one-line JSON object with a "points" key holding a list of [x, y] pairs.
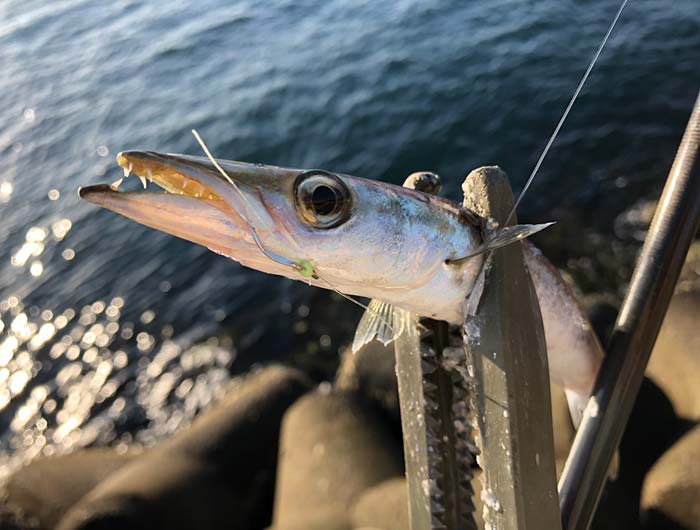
{"points": [[357, 236]]}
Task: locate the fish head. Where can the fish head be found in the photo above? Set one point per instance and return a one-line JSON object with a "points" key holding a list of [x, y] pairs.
{"points": [[357, 236]]}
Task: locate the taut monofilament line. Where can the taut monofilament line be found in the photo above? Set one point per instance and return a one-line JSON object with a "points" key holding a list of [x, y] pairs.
{"points": [[567, 111]]}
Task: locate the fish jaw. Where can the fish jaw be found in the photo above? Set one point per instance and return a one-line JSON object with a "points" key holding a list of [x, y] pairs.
{"points": [[199, 204], [393, 246], [186, 218]]}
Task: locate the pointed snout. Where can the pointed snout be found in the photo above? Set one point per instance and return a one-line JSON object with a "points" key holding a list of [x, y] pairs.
{"points": [[201, 204]]}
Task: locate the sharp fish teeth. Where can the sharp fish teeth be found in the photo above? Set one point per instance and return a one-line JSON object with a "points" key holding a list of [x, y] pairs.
{"points": [[150, 174], [143, 181], [115, 185], [127, 170]]}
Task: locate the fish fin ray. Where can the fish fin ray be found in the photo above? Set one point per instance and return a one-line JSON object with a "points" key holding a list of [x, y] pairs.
{"points": [[504, 236], [511, 234], [381, 321]]}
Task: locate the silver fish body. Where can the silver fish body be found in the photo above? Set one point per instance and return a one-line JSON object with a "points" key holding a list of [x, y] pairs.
{"points": [[357, 236]]}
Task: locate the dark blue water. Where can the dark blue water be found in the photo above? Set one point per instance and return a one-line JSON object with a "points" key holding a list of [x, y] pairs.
{"points": [[102, 320]]}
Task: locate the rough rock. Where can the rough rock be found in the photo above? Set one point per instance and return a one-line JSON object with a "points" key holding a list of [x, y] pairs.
{"points": [[333, 447], [371, 372], [383, 506], [671, 493], [675, 361], [45, 489]]}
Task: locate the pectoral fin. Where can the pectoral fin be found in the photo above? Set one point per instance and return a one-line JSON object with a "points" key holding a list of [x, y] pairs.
{"points": [[381, 321]]}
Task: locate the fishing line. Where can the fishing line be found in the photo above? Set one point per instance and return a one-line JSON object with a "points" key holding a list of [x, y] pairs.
{"points": [[269, 254], [221, 170], [356, 302], [568, 109], [303, 267]]}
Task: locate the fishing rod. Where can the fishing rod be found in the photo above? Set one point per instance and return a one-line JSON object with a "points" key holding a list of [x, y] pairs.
{"points": [[671, 232]]}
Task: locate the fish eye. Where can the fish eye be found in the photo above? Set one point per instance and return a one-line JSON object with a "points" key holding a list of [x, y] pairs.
{"points": [[321, 199]]}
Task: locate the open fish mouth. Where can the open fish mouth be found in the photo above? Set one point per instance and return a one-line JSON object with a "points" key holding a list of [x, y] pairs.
{"points": [[197, 202], [164, 171]]}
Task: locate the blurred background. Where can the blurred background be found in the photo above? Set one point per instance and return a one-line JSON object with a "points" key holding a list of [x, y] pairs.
{"points": [[113, 334]]}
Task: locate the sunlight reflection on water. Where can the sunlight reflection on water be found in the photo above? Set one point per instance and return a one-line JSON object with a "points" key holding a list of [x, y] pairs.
{"points": [[87, 388]]}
